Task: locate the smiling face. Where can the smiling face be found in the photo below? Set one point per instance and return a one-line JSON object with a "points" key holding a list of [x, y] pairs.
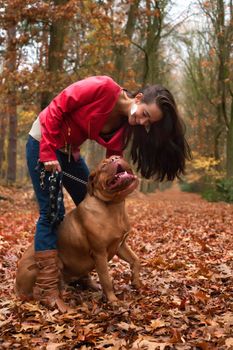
{"points": [[113, 180], [142, 113]]}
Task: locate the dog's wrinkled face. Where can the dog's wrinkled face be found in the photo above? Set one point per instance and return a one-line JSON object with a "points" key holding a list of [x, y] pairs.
{"points": [[113, 180]]}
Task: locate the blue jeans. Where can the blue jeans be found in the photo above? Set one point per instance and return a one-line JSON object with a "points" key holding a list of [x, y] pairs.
{"points": [[46, 233]]}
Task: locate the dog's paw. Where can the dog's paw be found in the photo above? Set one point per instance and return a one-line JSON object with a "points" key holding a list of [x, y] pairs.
{"points": [[136, 284], [112, 299]]}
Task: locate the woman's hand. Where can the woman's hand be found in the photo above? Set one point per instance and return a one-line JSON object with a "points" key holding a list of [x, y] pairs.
{"points": [[52, 165]]}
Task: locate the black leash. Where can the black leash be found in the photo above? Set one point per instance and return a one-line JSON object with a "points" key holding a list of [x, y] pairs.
{"points": [[56, 196], [74, 178]]}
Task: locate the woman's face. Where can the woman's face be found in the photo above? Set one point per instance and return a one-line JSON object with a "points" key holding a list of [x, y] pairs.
{"points": [[144, 114]]}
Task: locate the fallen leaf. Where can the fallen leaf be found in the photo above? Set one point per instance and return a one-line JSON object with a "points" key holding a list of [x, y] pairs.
{"points": [[229, 342], [54, 346], [148, 343]]}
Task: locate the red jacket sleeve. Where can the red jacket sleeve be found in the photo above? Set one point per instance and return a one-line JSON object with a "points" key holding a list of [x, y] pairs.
{"points": [[72, 98]]}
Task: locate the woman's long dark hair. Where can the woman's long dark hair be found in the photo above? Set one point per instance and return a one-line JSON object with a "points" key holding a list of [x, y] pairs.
{"points": [[160, 153]]}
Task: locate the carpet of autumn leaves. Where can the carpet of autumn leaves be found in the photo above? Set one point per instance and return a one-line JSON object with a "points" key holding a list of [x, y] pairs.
{"points": [[186, 302]]}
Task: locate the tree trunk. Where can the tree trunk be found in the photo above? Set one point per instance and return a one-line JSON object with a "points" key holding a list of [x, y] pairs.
{"points": [[227, 85], [153, 36], [3, 127], [58, 31], [217, 134], [11, 104], [151, 74], [230, 145], [148, 186], [120, 51]]}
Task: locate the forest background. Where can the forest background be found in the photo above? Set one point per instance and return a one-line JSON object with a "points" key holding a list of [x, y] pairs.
{"points": [[184, 243], [47, 45]]}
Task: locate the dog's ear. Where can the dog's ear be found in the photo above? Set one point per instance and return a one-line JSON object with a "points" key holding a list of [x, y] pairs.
{"points": [[90, 184]]}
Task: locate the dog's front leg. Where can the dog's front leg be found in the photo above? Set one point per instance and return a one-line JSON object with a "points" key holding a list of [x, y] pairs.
{"points": [[101, 264], [125, 253]]}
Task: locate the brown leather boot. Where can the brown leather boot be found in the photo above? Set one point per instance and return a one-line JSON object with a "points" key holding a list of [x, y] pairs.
{"points": [[46, 289]]}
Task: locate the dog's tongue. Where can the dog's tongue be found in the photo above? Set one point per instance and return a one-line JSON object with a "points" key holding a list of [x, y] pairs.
{"points": [[121, 180]]}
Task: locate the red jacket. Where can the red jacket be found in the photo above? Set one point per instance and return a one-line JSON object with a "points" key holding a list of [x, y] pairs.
{"points": [[78, 113]]}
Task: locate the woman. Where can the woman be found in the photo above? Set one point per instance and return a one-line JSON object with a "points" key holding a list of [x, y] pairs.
{"points": [[97, 108]]}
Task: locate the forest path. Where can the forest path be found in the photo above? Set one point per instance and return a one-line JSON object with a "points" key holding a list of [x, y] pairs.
{"points": [[186, 301]]}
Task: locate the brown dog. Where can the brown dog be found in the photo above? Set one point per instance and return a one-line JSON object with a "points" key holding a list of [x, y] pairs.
{"points": [[91, 234]]}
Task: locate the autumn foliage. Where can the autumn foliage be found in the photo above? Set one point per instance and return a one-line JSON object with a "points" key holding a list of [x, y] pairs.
{"points": [[185, 248]]}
